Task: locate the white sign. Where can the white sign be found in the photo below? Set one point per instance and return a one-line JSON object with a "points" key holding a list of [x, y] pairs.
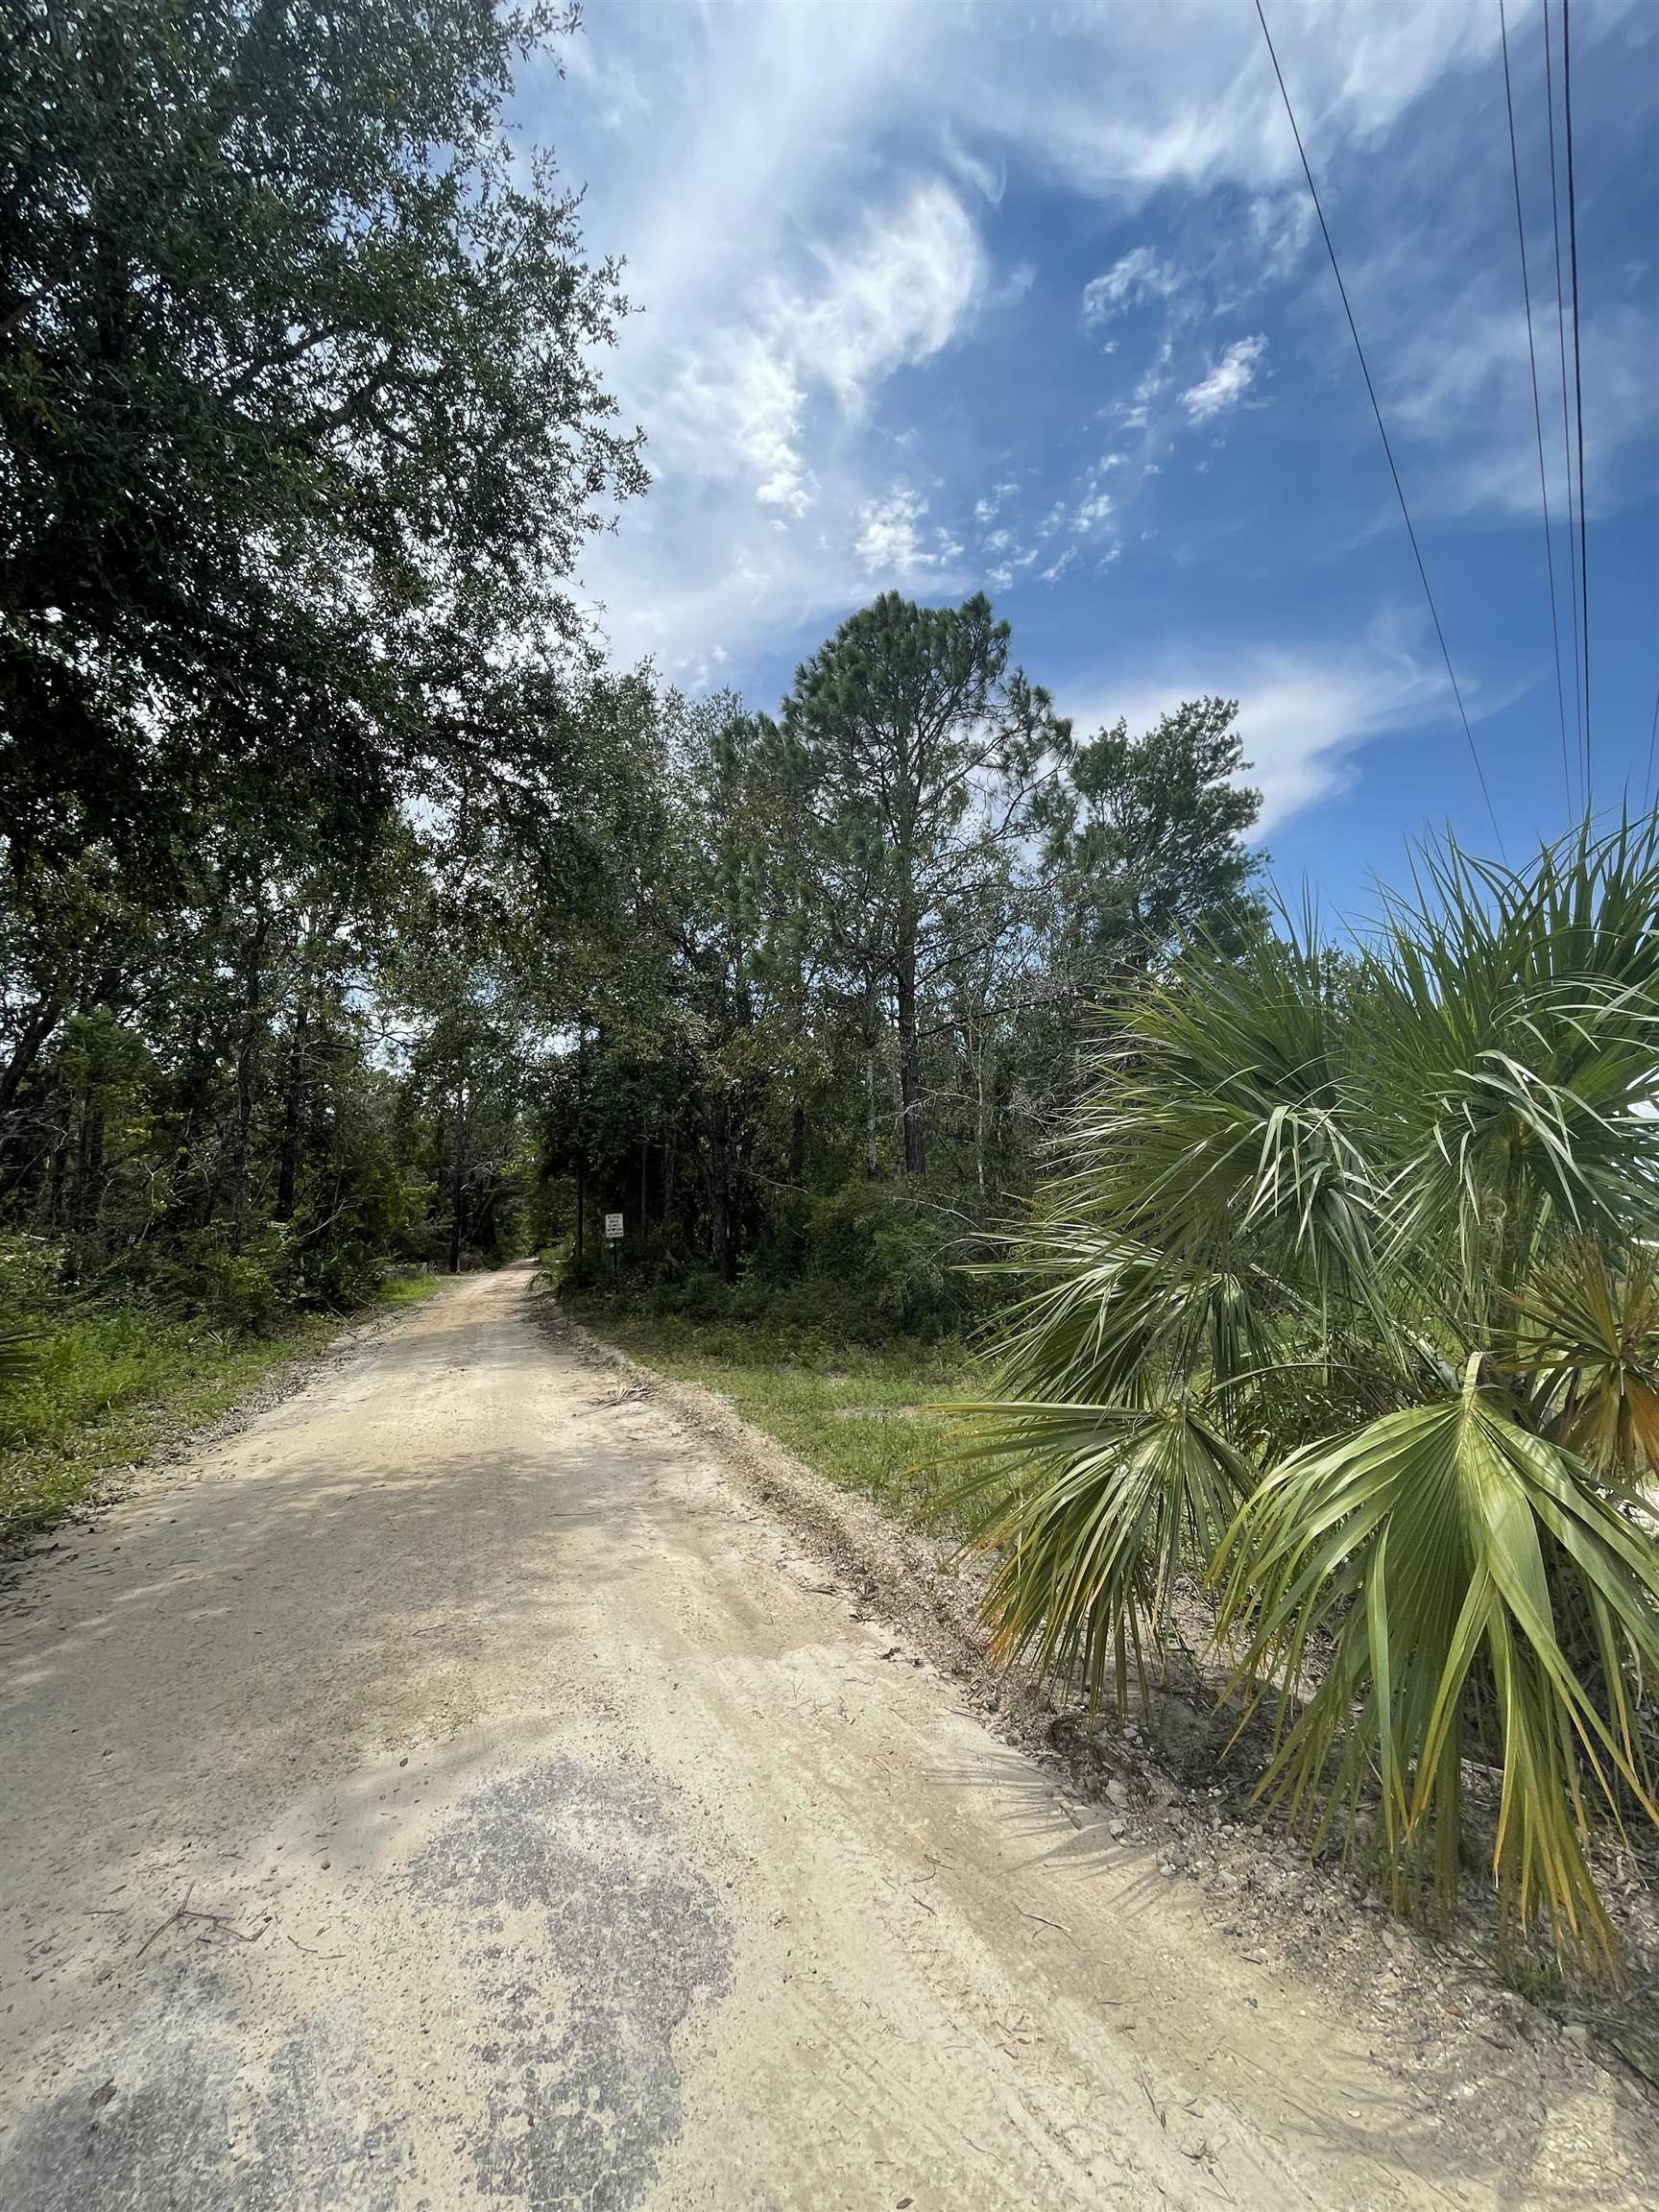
{"points": [[612, 1227]]}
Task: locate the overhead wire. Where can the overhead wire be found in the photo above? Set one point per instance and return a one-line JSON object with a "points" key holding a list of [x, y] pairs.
{"points": [[1537, 410], [1381, 428], [1578, 374], [1565, 431]]}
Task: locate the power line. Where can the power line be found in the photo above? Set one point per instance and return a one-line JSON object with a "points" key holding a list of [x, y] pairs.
{"points": [[1537, 411], [1578, 369], [1566, 432], [1388, 450]]}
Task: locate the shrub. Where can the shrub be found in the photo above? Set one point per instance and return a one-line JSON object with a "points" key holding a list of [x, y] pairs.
{"points": [[1342, 1297]]}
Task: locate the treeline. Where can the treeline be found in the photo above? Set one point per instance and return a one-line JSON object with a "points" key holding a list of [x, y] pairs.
{"points": [[716, 996], [301, 433], [353, 910], [867, 936]]}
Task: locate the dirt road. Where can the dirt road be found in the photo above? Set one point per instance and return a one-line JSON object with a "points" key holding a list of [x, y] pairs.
{"points": [[453, 1791]]}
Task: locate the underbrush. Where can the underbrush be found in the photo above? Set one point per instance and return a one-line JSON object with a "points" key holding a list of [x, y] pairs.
{"points": [[109, 1379]]}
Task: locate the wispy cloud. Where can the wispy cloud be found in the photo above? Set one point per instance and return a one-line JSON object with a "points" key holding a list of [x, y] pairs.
{"points": [[894, 548], [1227, 383], [1305, 712], [896, 294], [827, 210], [1138, 275]]}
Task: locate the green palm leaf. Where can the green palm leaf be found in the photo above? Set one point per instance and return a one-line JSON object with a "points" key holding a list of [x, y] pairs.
{"points": [[1436, 1543], [1590, 1343], [1306, 1196], [1094, 1513]]}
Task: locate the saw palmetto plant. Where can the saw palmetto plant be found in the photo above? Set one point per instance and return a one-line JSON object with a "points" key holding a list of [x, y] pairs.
{"points": [[1346, 1298]]}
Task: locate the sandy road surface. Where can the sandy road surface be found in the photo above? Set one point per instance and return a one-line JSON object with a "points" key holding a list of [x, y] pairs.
{"points": [[453, 1792]]}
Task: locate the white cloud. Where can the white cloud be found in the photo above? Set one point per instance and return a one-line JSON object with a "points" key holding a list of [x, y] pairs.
{"points": [[1094, 511], [986, 176], [1138, 275], [1458, 382], [807, 197], [737, 414], [1304, 711], [892, 545], [1123, 102], [898, 294], [1227, 383], [987, 507], [891, 297]]}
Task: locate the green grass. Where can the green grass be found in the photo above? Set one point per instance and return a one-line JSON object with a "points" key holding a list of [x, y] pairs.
{"points": [[113, 1385], [856, 1414]]}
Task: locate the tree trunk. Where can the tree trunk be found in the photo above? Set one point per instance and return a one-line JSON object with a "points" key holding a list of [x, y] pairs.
{"points": [[797, 1142], [247, 1062], [722, 1252], [981, 1111], [909, 1051], [871, 1150], [54, 1179], [288, 1164], [581, 1144], [30, 1038], [88, 1165], [458, 1186], [194, 1098], [715, 1158]]}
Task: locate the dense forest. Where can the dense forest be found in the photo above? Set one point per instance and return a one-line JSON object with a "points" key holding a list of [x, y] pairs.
{"points": [[355, 912]]}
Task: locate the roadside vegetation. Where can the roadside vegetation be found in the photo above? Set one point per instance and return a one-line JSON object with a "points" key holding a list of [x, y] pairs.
{"points": [[96, 1385], [355, 913], [285, 315], [1345, 1301]]}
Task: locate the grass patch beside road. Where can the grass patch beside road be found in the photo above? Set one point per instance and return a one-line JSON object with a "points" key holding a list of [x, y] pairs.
{"points": [[859, 1414], [112, 1385]]}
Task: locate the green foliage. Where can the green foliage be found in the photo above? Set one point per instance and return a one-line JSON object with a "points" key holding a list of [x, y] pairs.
{"points": [[302, 422], [304, 753], [1462, 1568], [1144, 842], [886, 1261], [822, 957], [917, 746], [1358, 1244]]}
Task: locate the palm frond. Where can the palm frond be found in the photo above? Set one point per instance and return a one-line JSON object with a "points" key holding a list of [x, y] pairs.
{"points": [[1423, 1547], [1094, 1513], [1592, 1347], [1304, 1196]]}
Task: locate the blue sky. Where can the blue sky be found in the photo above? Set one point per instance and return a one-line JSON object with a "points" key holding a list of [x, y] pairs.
{"points": [[1031, 300]]}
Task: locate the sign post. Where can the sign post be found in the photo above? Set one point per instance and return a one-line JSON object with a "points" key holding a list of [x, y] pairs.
{"points": [[613, 1238]]}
